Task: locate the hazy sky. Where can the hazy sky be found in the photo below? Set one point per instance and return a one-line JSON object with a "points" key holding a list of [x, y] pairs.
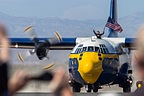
{"points": [[71, 9]]}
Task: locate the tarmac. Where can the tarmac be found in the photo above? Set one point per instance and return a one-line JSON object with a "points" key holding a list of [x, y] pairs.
{"points": [[76, 94], [44, 87]]}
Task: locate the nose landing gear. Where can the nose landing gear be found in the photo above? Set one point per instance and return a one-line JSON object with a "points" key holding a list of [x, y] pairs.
{"points": [[90, 87], [76, 86]]}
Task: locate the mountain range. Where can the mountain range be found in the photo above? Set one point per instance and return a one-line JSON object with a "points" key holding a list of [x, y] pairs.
{"points": [[44, 27]]}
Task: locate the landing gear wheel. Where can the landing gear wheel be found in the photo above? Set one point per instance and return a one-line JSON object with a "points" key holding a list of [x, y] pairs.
{"points": [[127, 87], [88, 88], [95, 90], [76, 86], [76, 89]]}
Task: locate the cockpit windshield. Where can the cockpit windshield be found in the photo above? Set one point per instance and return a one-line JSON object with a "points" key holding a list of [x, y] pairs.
{"points": [[101, 49], [90, 48], [87, 49]]}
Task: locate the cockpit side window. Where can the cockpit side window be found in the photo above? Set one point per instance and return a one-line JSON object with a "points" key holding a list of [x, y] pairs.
{"points": [[96, 49], [103, 49], [106, 50], [84, 49], [78, 50]]}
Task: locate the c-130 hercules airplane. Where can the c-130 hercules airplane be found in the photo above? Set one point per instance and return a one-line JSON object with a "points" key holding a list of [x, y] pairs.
{"points": [[93, 62]]}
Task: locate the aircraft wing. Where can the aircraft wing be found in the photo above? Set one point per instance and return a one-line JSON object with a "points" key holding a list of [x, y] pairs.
{"points": [[67, 43], [125, 42], [26, 43], [129, 42]]}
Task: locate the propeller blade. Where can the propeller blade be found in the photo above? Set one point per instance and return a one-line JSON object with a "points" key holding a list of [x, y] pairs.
{"points": [[20, 57], [23, 56], [58, 36], [55, 40], [32, 35], [30, 30], [49, 66]]}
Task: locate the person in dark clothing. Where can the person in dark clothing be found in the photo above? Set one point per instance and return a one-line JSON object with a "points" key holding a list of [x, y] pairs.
{"points": [[98, 34], [8, 87], [3, 79], [4, 59]]}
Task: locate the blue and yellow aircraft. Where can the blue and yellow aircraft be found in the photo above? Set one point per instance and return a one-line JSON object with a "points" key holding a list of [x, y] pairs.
{"points": [[93, 62]]}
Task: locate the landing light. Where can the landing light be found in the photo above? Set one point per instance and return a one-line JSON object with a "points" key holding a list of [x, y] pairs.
{"points": [[16, 46], [131, 81], [33, 50], [139, 85], [69, 81]]}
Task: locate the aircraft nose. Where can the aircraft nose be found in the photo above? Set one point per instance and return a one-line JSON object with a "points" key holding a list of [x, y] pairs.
{"points": [[88, 67]]}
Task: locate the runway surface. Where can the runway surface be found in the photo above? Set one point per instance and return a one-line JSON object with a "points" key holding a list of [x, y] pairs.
{"points": [[44, 87], [75, 94]]}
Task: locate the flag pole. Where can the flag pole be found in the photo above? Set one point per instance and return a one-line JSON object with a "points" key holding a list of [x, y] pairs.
{"points": [[105, 26], [104, 29]]}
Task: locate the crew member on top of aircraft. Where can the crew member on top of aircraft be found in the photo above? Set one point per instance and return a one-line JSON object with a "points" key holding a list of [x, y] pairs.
{"points": [[98, 34]]}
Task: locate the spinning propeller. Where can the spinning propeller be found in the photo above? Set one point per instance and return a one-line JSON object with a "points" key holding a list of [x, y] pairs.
{"points": [[49, 66], [41, 47]]}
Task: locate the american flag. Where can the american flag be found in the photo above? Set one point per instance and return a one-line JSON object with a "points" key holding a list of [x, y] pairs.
{"points": [[113, 25]]}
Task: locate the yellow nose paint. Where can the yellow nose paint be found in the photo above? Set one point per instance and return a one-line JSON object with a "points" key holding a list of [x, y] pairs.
{"points": [[88, 67]]}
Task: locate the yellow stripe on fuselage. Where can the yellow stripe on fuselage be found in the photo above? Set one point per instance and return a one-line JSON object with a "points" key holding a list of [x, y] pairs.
{"points": [[90, 67]]}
